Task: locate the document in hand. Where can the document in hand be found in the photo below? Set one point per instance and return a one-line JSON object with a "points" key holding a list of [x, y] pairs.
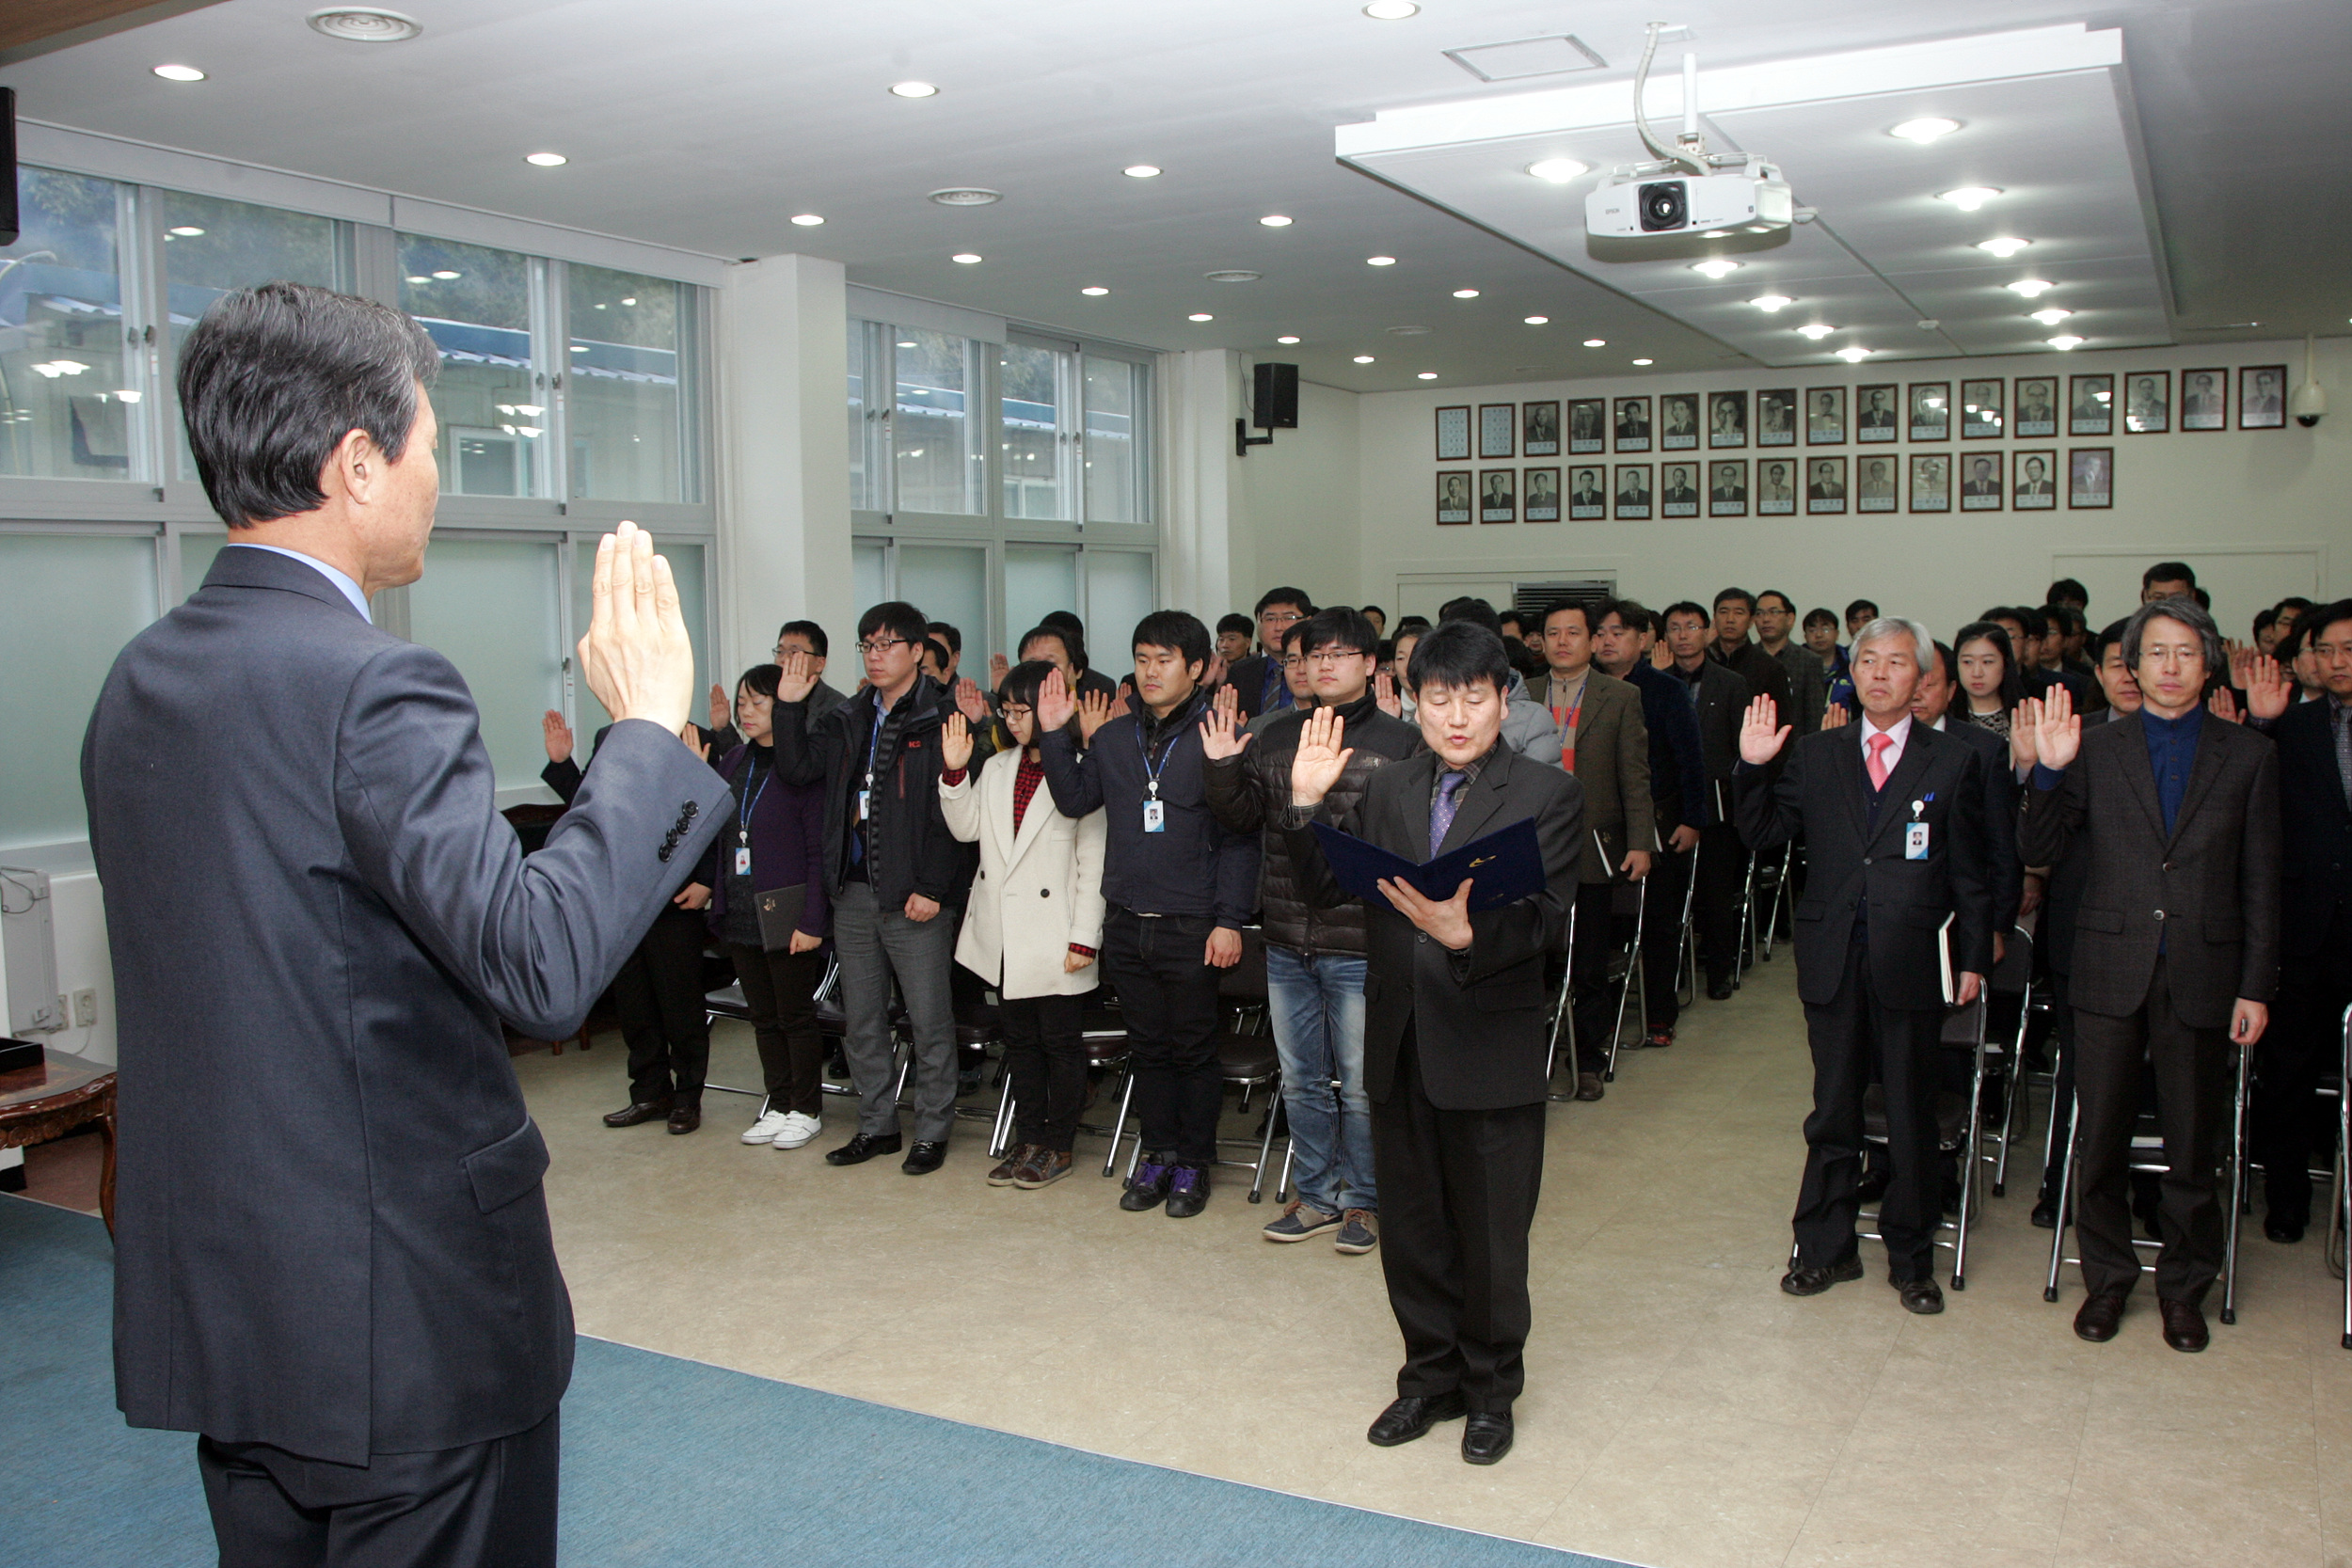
{"points": [[1506, 866]]}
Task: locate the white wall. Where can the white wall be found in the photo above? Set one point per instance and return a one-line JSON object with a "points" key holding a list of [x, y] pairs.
{"points": [[1301, 505]]}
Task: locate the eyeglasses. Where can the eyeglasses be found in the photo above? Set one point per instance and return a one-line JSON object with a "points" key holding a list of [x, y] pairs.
{"points": [[1016, 710], [1280, 617], [883, 645], [1332, 656]]}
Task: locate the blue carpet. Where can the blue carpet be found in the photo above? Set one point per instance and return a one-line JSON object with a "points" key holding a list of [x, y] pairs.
{"points": [[665, 1462]]}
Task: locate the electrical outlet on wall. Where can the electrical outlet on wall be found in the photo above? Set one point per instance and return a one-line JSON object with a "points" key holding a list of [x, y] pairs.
{"points": [[86, 1008]]}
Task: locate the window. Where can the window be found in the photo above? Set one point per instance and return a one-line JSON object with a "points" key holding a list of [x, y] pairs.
{"points": [[1115, 409], [1037, 454], [949, 582], [68, 604], [630, 338], [492, 398], [1038, 579], [68, 384], [937, 461], [869, 574], [687, 571], [1120, 592], [492, 607], [868, 417]]}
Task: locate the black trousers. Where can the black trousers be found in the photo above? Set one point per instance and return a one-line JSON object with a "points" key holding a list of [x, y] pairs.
{"points": [[1167, 1000], [2305, 1039], [488, 1505], [1593, 1002], [1850, 1035], [1722, 874], [1457, 1195], [781, 987], [1662, 936], [1045, 1054], [659, 993], [2193, 1110]]}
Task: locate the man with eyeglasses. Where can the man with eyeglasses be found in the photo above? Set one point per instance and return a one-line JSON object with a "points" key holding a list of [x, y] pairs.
{"points": [[1258, 679], [1315, 957], [801, 637]]}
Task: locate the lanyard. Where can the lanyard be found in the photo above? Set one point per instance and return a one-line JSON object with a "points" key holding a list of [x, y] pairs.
{"points": [[1151, 774], [744, 808]]}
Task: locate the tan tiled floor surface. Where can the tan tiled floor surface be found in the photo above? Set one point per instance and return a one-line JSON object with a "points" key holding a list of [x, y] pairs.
{"points": [[1681, 1411]]}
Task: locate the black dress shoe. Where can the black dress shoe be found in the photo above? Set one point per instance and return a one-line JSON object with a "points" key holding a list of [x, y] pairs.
{"points": [[862, 1148], [924, 1157], [1413, 1415], [2045, 1215], [685, 1116], [1719, 991], [2184, 1325], [1188, 1191], [1802, 1281], [1486, 1437], [2281, 1232], [1589, 1087], [1149, 1184], [639, 1113], [2099, 1318], [1873, 1185], [1923, 1297]]}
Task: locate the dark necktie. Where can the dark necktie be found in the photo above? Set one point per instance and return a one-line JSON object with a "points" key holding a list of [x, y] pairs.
{"points": [[1442, 810]]}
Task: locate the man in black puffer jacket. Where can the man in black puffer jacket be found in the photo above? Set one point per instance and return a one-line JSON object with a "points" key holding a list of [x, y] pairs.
{"points": [[1315, 957]]}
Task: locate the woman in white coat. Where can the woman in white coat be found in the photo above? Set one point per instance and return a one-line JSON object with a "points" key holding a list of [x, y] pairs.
{"points": [[1033, 925]]}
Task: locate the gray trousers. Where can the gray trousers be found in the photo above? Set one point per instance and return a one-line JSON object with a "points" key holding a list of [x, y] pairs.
{"points": [[875, 946]]}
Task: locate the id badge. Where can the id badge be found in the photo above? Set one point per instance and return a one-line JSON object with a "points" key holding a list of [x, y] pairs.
{"points": [[1915, 841], [742, 863], [863, 795], [1155, 817]]}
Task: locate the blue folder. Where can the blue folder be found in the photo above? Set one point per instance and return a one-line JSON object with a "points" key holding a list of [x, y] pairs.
{"points": [[1505, 866]]}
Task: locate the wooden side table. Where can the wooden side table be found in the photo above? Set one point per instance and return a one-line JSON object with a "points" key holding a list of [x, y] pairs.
{"points": [[39, 1104]]}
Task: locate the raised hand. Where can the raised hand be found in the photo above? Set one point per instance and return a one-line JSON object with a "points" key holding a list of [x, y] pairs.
{"points": [[1661, 656], [998, 668], [2241, 659], [2267, 688], [797, 677], [2058, 730], [1320, 758], [558, 736], [2222, 705], [636, 654], [1835, 717], [955, 743], [1094, 711], [1384, 693], [1762, 733], [970, 703], [1212, 675], [2023, 745], [1054, 706], [722, 711], [1220, 735]]}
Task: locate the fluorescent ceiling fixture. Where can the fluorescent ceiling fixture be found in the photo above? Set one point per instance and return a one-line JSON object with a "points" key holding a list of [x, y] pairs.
{"points": [[1391, 10], [1233, 274], [1536, 320], [2050, 316], [1769, 303], [1363, 359], [418, 277], [1095, 290], [445, 275], [965, 258], [912, 90], [546, 160], [906, 342], [1596, 342], [1199, 316], [1968, 198], [1379, 261], [364, 24], [808, 220], [1853, 356], [1646, 361], [1141, 171], [629, 299], [1466, 294], [1814, 330], [1286, 340], [1925, 130], [1715, 267], [2064, 340], [1558, 171], [179, 73], [966, 196], [185, 231], [2004, 248], [2032, 288], [1428, 375], [130, 394], [1275, 220]]}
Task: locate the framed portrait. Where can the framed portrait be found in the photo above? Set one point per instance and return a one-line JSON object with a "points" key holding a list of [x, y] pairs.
{"points": [[1588, 424], [2035, 413], [1824, 485], [1498, 495], [1588, 493], [2205, 399], [2261, 397], [1875, 415], [1633, 425], [1874, 483], [1539, 430], [1679, 489], [1539, 495], [1727, 419], [2090, 478], [1677, 421], [1633, 491], [2091, 405], [1930, 481], [1776, 419], [1825, 416], [1453, 494], [1983, 413], [1775, 486], [2033, 480], [1728, 488], [2147, 403], [1980, 481], [1498, 430], [1454, 444], [1928, 410]]}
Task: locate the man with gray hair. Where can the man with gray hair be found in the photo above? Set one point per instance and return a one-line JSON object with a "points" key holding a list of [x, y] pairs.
{"points": [[2176, 946], [1892, 813]]}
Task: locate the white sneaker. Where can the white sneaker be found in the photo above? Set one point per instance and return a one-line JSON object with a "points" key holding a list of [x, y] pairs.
{"points": [[767, 1127], [797, 1129]]}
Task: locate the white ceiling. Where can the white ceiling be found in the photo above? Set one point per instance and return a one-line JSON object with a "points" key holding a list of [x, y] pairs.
{"points": [[705, 124]]}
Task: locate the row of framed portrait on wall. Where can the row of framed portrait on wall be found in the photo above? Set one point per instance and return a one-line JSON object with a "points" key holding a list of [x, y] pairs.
{"points": [[2023, 481], [1877, 413]]}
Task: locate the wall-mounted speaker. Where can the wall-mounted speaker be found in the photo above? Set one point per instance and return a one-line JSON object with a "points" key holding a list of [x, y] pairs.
{"points": [[1274, 398]]}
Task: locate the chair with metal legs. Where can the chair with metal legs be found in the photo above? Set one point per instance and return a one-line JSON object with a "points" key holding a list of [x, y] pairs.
{"points": [[1768, 886], [1563, 1016], [2340, 1223], [1629, 958], [1956, 1136], [1687, 953], [728, 1002], [2011, 978], [1245, 1059], [1104, 1037]]}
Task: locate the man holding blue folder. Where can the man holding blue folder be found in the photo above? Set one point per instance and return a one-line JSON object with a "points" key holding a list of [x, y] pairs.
{"points": [[1455, 1026]]}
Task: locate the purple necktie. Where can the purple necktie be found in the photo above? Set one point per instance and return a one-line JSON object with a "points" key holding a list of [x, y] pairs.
{"points": [[1441, 811]]}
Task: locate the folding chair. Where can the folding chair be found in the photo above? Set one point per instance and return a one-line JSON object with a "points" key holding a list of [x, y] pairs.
{"points": [[1768, 884], [2340, 1228], [1561, 1014], [1245, 1059], [1623, 895], [1105, 1039], [1687, 952], [2013, 976], [1955, 1133], [729, 1002]]}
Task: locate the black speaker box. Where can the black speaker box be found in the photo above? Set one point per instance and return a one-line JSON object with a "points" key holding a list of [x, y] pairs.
{"points": [[1274, 398], [7, 166], [16, 1054]]}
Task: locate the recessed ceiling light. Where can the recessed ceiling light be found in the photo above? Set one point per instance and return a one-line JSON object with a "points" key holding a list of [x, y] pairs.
{"points": [[1094, 289], [1199, 316], [1536, 320], [447, 274], [1275, 220], [1558, 171], [1379, 261], [1466, 294], [1853, 356], [1363, 359], [965, 258], [185, 231], [179, 73], [364, 24], [906, 342], [1769, 303], [629, 299], [912, 90], [1646, 361], [1428, 375], [2050, 316], [1716, 267], [1391, 10], [2032, 288], [417, 278], [1596, 342], [1411, 330], [1233, 274], [1286, 340], [2004, 248], [546, 160], [1968, 198], [1925, 130], [2064, 340], [966, 196], [808, 220], [1814, 330]]}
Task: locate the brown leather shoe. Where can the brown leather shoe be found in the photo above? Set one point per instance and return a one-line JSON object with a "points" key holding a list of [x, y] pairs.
{"points": [[2099, 1316], [1001, 1174], [1043, 1169], [1589, 1087], [685, 1116], [640, 1112], [2184, 1325]]}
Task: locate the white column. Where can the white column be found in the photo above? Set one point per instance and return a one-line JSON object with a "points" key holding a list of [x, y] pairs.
{"points": [[784, 496], [1203, 536]]}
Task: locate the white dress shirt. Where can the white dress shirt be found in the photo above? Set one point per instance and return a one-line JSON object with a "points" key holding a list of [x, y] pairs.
{"points": [[350, 589], [1899, 733]]}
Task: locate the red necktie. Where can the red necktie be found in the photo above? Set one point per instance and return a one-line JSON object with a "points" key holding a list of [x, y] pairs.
{"points": [[1876, 765]]}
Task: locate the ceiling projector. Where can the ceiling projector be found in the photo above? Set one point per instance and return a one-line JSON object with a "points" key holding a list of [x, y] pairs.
{"points": [[1686, 189]]}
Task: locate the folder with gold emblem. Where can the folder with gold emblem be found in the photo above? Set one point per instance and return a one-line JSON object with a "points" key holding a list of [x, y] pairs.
{"points": [[1505, 866]]}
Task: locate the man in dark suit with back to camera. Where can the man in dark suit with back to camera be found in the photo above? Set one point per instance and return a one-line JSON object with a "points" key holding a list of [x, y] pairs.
{"points": [[332, 1253], [2176, 946], [1891, 815], [1455, 1031]]}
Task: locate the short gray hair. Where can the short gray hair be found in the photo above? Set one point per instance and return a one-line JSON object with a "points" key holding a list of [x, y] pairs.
{"points": [[1887, 627], [2188, 613]]}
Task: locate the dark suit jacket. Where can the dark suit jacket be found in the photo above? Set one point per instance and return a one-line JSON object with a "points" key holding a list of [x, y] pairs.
{"points": [[330, 1231], [1824, 795], [2316, 829], [1247, 676], [1678, 766], [1481, 1027], [1723, 703], [2208, 895], [2005, 871]]}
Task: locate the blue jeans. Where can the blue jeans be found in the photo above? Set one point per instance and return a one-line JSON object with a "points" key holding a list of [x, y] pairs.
{"points": [[1316, 1002]]}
